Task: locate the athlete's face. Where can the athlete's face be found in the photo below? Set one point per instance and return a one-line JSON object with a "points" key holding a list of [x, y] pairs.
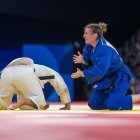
{"points": [[89, 37]]}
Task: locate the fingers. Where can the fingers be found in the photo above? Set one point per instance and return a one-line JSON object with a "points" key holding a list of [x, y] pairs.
{"points": [[11, 107], [64, 108], [44, 107], [74, 75], [76, 59], [79, 53], [75, 55]]}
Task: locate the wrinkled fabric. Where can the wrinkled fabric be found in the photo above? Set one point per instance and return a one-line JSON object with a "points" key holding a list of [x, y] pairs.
{"points": [[105, 60]]}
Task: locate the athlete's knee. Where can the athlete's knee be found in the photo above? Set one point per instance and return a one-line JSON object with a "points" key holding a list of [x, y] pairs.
{"points": [[113, 105], [94, 106], [3, 104]]}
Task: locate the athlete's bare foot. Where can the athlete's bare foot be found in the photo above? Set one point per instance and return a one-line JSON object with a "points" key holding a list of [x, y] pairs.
{"points": [[135, 98], [66, 107]]}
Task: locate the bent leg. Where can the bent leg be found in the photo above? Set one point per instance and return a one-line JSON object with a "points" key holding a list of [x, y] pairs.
{"points": [[3, 104], [117, 99], [23, 101], [28, 85], [97, 99]]}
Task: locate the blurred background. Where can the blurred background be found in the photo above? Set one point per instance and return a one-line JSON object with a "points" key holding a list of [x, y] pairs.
{"points": [[50, 32]]}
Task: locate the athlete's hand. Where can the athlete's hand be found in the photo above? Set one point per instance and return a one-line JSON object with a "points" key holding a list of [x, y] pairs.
{"points": [[77, 59], [77, 74], [12, 107], [45, 107], [66, 107]]}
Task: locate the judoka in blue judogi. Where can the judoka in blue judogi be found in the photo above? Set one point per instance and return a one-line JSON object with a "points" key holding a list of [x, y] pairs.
{"points": [[104, 68]]}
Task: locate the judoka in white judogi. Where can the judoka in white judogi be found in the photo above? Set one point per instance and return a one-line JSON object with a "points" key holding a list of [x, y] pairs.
{"points": [[21, 77]]}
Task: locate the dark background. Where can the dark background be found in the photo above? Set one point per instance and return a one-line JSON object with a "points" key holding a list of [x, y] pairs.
{"points": [[62, 21]]}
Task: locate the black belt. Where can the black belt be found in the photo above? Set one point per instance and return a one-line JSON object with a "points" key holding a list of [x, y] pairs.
{"points": [[41, 77], [46, 77], [113, 75]]}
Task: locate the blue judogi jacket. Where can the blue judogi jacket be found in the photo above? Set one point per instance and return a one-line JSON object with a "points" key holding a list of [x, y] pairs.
{"points": [[102, 60]]}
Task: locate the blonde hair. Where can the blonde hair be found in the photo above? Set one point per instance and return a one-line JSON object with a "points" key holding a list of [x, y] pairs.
{"points": [[99, 28]]}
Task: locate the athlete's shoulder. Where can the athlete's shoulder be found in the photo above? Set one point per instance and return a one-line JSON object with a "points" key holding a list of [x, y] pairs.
{"points": [[107, 45]]}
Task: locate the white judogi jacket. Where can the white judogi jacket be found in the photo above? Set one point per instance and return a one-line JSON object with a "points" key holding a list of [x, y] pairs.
{"points": [[23, 66]]}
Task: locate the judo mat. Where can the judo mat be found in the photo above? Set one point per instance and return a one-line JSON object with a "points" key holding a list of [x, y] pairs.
{"points": [[79, 123]]}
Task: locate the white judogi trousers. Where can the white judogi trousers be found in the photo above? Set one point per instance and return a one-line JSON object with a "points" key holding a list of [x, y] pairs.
{"points": [[22, 80]]}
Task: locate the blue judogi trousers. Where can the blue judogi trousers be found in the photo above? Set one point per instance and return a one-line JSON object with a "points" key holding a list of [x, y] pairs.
{"points": [[114, 99]]}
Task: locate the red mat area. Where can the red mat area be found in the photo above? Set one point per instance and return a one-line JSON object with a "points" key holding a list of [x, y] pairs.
{"points": [[69, 125]]}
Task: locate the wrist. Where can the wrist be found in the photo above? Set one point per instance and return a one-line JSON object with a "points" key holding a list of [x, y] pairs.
{"points": [[82, 74], [83, 61]]}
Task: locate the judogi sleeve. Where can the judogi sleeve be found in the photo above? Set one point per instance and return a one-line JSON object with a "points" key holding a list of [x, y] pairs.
{"points": [[58, 83], [61, 88], [86, 55], [102, 63]]}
